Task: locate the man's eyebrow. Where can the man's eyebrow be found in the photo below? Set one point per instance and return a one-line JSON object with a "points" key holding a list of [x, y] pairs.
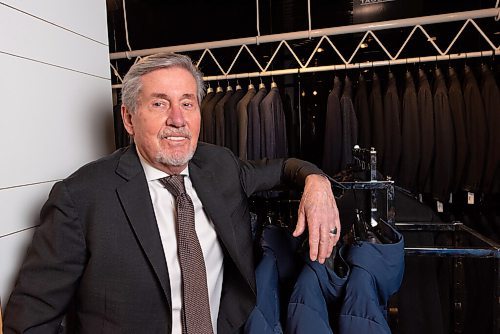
{"points": [[188, 96], [160, 96]]}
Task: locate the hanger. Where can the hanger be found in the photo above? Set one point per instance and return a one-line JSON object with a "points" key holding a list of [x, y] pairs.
{"points": [[250, 84], [219, 88], [209, 89], [229, 88], [261, 85], [238, 87], [273, 84]]}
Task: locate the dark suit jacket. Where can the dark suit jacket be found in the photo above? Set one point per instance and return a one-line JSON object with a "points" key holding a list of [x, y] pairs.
{"points": [[444, 156], [208, 118], [426, 115], [477, 132], [410, 137], [363, 113], [332, 149], [253, 135], [99, 247], [377, 116], [457, 108], [392, 129]]}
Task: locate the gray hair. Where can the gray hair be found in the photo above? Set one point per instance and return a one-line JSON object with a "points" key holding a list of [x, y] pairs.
{"points": [[132, 83]]}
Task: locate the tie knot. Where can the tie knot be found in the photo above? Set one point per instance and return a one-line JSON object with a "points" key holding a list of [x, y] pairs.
{"points": [[174, 184]]}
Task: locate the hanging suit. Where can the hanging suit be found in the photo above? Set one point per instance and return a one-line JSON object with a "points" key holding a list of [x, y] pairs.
{"points": [[392, 126], [253, 139], [377, 116], [457, 108], [363, 113], [444, 154], [332, 148], [410, 137], [272, 126], [208, 97], [208, 117], [426, 119], [491, 99], [349, 124], [242, 121], [376, 273], [477, 132], [220, 131], [231, 120]]}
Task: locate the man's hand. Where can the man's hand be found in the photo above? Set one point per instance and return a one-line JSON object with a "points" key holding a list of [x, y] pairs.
{"points": [[319, 212]]}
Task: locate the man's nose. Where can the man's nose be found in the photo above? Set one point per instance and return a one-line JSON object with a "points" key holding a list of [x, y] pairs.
{"points": [[175, 116]]}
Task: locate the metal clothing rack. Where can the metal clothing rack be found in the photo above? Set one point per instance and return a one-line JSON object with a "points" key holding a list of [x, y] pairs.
{"points": [[366, 159], [369, 29]]}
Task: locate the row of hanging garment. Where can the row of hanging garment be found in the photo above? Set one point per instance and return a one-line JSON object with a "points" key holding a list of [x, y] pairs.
{"points": [[433, 138], [250, 123]]}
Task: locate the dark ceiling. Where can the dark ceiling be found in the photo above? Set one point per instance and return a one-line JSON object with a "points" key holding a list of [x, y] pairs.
{"points": [[157, 23]]}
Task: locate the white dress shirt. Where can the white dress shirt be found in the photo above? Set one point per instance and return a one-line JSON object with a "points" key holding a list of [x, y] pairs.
{"points": [[164, 207]]}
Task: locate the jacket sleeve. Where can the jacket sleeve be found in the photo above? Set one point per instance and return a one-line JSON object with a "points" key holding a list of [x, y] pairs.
{"points": [[266, 174], [51, 270]]}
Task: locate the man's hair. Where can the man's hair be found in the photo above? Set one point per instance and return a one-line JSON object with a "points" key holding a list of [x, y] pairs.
{"points": [[132, 83]]}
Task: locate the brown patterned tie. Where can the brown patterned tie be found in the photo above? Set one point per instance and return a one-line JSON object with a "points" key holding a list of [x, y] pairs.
{"points": [[195, 313]]}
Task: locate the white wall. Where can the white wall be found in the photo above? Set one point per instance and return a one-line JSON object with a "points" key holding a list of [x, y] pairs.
{"points": [[55, 107]]}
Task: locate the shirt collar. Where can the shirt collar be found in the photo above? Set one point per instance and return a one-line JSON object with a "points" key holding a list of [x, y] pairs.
{"points": [[153, 173]]}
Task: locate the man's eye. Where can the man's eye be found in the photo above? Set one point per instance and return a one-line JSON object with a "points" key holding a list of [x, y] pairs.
{"points": [[158, 104]]}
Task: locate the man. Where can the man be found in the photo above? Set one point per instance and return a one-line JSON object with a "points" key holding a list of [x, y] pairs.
{"points": [[107, 243]]}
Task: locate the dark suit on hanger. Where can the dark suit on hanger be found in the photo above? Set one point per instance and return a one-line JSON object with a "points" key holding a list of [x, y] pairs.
{"points": [[332, 148], [220, 123], [231, 121], [377, 116], [410, 137], [363, 113], [242, 122], [426, 115], [253, 139], [457, 108], [444, 154], [392, 126], [477, 132], [273, 142], [203, 104], [113, 233], [491, 99], [208, 118], [349, 124]]}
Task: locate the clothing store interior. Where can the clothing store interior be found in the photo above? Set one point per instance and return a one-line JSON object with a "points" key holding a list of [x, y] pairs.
{"points": [[403, 117]]}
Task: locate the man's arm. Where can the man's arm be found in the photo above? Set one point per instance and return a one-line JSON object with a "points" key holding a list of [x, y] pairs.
{"points": [[50, 272], [317, 210]]}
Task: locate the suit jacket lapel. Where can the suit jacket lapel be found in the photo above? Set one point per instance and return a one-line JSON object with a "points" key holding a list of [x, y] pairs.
{"points": [[136, 201], [206, 188]]}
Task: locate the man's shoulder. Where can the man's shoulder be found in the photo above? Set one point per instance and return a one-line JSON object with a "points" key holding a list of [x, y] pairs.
{"points": [[99, 169]]}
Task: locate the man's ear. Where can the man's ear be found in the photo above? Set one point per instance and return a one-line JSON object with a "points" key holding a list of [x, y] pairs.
{"points": [[127, 120]]}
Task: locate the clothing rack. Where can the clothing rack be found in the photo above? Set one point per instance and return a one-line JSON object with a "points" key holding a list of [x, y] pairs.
{"points": [[369, 29], [366, 159]]}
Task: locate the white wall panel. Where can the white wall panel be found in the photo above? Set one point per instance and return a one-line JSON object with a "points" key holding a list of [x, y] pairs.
{"points": [[87, 17], [13, 249], [26, 36], [53, 121], [20, 206]]}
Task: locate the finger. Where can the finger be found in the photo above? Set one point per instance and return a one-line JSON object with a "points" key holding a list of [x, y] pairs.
{"points": [[301, 224], [314, 241], [325, 243]]}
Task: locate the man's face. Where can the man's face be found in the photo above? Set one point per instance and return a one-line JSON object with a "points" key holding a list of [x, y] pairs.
{"points": [[166, 124]]}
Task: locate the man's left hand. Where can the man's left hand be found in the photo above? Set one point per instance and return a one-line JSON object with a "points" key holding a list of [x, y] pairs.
{"points": [[319, 212]]}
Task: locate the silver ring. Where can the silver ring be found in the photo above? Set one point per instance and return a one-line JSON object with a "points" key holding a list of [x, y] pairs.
{"points": [[333, 230]]}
